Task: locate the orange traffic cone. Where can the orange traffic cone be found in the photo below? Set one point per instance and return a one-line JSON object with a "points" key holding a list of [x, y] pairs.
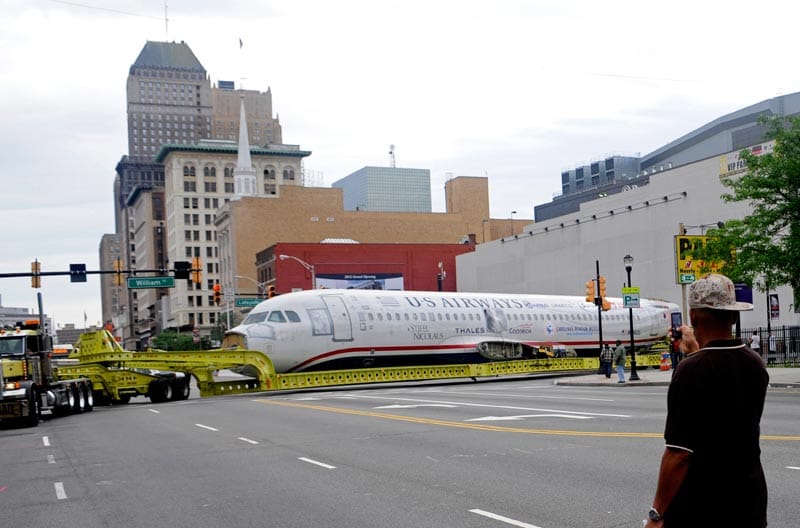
{"points": [[665, 360]]}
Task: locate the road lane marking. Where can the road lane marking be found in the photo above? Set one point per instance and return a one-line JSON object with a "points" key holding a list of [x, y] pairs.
{"points": [[529, 396], [506, 520], [46, 441], [793, 467], [60, 493], [51, 459], [487, 405], [486, 427], [523, 416], [154, 411], [243, 439], [415, 406], [207, 427], [316, 462]]}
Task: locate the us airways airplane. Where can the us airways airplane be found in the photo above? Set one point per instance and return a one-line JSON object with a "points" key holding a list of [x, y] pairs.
{"points": [[334, 329]]}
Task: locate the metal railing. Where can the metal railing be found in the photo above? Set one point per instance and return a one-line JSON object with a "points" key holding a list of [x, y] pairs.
{"points": [[780, 346]]}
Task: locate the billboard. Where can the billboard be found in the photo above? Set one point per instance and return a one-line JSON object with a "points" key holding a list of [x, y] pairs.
{"points": [[687, 270], [361, 281]]}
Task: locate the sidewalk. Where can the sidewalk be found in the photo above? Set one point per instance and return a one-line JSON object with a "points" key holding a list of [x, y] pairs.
{"points": [[778, 378]]}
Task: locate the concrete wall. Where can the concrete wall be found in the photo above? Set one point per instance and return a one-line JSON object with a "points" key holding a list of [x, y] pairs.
{"points": [[558, 256]]}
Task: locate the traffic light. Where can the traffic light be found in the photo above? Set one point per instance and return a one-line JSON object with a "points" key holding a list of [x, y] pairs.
{"points": [[217, 294], [603, 302], [197, 270], [590, 291], [36, 268], [271, 291], [182, 269], [117, 272]]}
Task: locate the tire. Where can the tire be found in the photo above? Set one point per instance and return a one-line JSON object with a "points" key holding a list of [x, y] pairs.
{"points": [[123, 400], [79, 400], [32, 420], [160, 390], [181, 389], [88, 396]]}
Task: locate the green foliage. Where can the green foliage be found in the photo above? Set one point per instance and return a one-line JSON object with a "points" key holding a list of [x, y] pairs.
{"points": [[766, 241], [171, 340]]}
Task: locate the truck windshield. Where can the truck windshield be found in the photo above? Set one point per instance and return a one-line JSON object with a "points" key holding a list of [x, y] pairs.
{"points": [[12, 346]]}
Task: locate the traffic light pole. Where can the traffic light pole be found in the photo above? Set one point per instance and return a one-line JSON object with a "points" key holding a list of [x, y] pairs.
{"points": [[599, 302]]}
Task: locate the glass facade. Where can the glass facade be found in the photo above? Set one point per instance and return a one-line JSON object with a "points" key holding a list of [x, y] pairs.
{"points": [[387, 189]]}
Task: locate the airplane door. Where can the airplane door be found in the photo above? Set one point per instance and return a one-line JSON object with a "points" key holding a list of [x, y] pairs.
{"points": [[342, 327]]}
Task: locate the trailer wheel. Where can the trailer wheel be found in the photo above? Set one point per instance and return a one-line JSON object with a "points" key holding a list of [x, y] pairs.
{"points": [[160, 390], [181, 389], [33, 409], [78, 400], [123, 399], [88, 396]]}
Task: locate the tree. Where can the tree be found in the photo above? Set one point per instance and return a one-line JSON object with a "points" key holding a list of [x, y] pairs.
{"points": [[766, 242]]}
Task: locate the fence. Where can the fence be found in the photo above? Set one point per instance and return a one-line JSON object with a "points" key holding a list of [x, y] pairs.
{"points": [[781, 346]]}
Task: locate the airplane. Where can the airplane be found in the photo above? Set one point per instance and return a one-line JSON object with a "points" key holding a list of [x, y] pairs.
{"points": [[328, 329]]}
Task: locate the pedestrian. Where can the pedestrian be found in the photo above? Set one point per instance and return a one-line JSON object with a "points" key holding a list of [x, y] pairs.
{"points": [[606, 358], [772, 357], [619, 360], [711, 472], [755, 342]]}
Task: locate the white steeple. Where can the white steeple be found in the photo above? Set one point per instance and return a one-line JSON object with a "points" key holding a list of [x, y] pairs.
{"points": [[244, 176]]}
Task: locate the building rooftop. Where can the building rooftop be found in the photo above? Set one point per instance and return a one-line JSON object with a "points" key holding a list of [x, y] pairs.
{"points": [[168, 56], [230, 147]]}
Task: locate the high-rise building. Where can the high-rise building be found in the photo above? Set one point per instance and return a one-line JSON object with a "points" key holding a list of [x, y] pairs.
{"points": [[390, 189]]}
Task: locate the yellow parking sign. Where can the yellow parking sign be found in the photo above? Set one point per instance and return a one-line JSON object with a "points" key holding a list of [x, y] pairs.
{"points": [[687, 269]]}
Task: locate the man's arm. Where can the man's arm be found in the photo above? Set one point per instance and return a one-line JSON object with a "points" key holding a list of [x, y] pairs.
{"points": [[674, 466]]}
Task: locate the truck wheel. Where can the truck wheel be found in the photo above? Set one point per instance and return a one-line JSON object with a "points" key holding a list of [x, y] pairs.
{"points": [[78, 400], [88, 397], [160, 390], [181, 389], [33, 409]]}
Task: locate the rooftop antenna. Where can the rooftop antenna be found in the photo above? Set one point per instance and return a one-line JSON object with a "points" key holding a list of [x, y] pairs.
{"points": [[166, 22], [391, 155]]}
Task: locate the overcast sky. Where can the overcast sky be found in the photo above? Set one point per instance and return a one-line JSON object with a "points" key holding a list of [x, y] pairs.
{"points": [[510, 89]]}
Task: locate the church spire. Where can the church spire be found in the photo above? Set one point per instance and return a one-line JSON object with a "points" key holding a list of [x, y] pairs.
{"points": [[244, 176]]}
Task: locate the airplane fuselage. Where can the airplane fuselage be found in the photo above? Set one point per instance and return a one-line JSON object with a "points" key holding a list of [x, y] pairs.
{"points": [[329, 329]]}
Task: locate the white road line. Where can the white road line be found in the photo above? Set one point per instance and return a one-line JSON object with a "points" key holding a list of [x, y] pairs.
{"points": [[414, 406], [503, 519], [60, 493], [530, 396], [793, 467], [51, 459], [207, 427], [463, 404], [243, 439], [154, 411], [321, 464], [46, 441]]}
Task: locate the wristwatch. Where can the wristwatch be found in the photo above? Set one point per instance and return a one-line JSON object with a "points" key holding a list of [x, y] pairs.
{"points": [[653, 515]]}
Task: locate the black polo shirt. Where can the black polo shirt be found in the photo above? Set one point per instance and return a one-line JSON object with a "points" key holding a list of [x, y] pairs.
{"points": [[714, 407]]}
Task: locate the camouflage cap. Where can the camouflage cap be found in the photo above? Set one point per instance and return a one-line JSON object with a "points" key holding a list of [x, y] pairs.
{"points": [[717, 292]]}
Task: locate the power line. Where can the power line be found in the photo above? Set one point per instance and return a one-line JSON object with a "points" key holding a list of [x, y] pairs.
{"points": [[117, 11]]}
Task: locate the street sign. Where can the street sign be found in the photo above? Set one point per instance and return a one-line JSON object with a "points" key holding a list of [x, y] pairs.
{"points": [[247, 302], [630, 297], [135, 283], [687, 278]]}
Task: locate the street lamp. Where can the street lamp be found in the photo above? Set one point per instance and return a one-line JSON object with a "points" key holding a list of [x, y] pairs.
{"points": [[259, 285], [628, 260], [512, 221], [306, 265]]}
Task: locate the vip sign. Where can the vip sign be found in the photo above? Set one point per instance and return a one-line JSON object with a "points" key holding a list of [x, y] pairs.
{"points": [[687, 269]]}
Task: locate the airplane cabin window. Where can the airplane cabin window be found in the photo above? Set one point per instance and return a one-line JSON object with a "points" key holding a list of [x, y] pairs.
{"points": [[447, 316], [276, 317], [292, 316], [423, 316], [254, 318], [380, 317], [406, 317]]}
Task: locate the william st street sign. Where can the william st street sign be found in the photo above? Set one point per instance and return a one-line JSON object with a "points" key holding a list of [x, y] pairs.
{"points": [[136, 283]]}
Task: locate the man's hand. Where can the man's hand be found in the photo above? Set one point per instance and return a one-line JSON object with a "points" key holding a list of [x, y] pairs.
{"points": [[688, 343]]}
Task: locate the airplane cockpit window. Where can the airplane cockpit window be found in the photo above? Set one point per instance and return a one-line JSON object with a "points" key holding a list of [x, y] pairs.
{"points": [[276, 317], [254, 318], [292, 316]]}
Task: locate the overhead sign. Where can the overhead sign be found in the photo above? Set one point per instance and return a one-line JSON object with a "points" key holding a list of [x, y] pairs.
{"points": [[135, 283], [247, 302], [630, 297], [686, 268], [731, 163]]}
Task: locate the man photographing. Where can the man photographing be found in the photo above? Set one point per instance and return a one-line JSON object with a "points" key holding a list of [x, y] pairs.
{"points": [[711, 472]]}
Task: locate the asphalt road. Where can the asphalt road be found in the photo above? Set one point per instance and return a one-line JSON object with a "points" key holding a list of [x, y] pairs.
{"points": [[523, 453]]}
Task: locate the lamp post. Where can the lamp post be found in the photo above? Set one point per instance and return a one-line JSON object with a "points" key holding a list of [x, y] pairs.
{"points": [[306, 265], [259, 285], [628, 260], [512, 222]]}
